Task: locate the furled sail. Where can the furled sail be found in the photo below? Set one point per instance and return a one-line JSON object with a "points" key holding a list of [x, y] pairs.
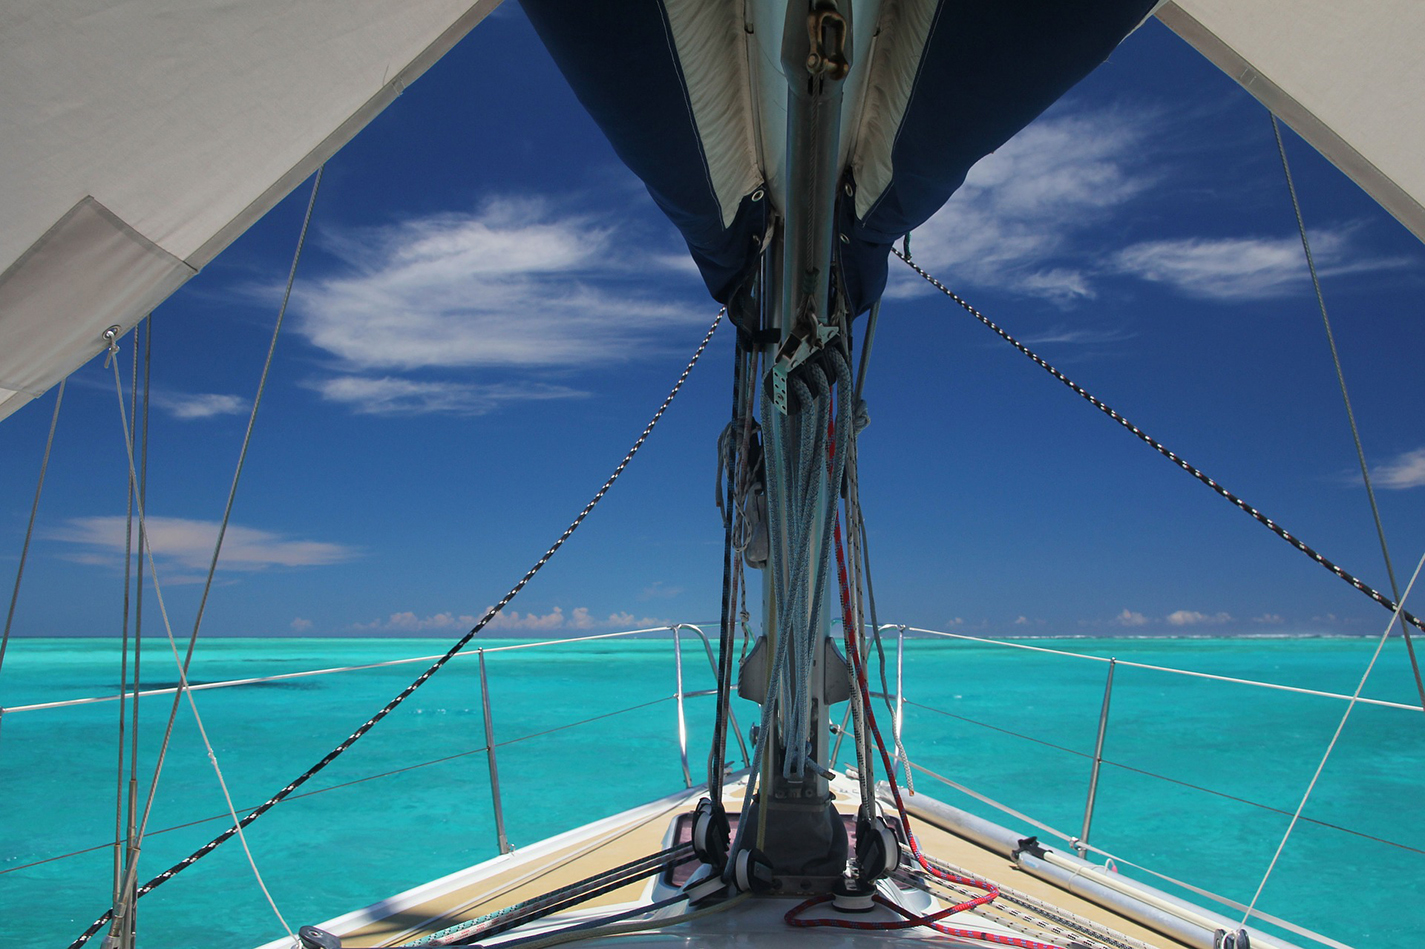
{"points": [[693, 97], [138, 139]]}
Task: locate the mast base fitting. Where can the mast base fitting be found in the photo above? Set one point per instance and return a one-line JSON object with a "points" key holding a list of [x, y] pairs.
{"points": [[852, 896], [313, 938], [878, 851], [752, 872], [711, 834]]}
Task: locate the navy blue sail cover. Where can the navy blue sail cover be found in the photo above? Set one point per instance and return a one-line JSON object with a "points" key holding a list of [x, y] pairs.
{"points": [[987, 69], [620, 60]]}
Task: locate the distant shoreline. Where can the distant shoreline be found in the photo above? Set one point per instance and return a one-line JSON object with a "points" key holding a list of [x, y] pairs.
{"points": [[661, 633]]}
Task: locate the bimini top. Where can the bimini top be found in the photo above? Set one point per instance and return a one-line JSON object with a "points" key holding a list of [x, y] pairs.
{"points": [[138, 140]]}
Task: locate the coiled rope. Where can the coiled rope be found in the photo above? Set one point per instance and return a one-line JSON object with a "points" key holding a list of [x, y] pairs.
{"points": [[435, 667], [1157, 446]]}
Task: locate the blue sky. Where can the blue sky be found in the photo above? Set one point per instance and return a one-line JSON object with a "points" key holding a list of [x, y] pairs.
{"points": [[490, 308]]}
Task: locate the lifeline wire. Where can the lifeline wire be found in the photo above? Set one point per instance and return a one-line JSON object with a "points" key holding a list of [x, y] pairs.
{"points": [[1157, 446], [424, 676], [1345, 397]]}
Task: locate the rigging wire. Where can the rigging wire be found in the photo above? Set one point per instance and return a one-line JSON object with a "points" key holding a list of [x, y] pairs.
{"points": [[122, 904], [420, 680], [30, 530], [1346, 398], [1172, 456], [124, 938], [1331, 746], [131, 873]]}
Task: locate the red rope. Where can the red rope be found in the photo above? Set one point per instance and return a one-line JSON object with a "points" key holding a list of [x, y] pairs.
{"points": [[853, 653], [910, 920]]}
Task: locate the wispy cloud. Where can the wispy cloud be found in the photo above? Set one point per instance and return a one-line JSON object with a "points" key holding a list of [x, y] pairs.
{"points": [[1025, 221], [196, 405], [188, 544], [578, 618], [1407, 470], [1075, 337], [1014, 222], [392, 395], [1244, 268], [1130, 618], [1194, 618], [513, 285], [657, 590]]}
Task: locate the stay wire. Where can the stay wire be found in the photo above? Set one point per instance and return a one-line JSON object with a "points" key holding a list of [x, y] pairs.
{"points": [[184, 666], [30, 529], [1157, 446], [1346, 398], [726, 628], [120, 745], [183, 692], [1331, 745], [420, 680]]}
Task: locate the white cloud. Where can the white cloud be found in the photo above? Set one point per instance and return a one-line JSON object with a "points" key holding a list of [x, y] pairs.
{"points": [[1242, 268], [1011, 225], [1022, 621], [1020, 221], [189, 543], [1194, 618], [1406, 471], [301, 625], [1269, 619], [1130, 618], [513, 285], [196, 405], [408, 621], [1076, 337], [391, 395], [657, 591]]}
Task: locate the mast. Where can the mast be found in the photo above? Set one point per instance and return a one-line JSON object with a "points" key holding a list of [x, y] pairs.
{"points": [[792, 821]]}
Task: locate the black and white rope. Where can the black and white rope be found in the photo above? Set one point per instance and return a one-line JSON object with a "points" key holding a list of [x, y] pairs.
{"points": [[435, 667], [1157, 446]]}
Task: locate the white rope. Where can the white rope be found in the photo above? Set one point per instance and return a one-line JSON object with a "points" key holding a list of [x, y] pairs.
{"points": [[182, 675], [1169, 669], [1331, 746]]}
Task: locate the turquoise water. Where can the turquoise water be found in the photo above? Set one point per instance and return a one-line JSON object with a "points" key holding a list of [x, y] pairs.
{"points": [[354, 843]]}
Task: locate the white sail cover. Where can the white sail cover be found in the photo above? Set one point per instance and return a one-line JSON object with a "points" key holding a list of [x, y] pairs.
{"points": [[1346, 75], [138, 139]]}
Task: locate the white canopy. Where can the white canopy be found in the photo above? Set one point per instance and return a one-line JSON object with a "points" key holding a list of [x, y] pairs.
{"points": [[1346, 75], [137, 140]]}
